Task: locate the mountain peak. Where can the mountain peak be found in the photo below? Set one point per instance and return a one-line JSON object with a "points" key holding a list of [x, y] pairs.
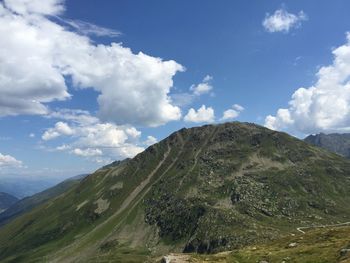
{"points": [[203, 189]]}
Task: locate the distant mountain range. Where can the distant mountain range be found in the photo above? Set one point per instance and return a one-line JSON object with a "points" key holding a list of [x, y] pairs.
{"points": [[22, 186], [200, 190], [6, 200], [19, 207], [334, 142]]}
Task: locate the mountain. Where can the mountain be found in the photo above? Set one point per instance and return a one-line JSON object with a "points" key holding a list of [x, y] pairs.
{"points": [[201, 190], [6, 200], [335, 142], [22, 186], [18, 208]]}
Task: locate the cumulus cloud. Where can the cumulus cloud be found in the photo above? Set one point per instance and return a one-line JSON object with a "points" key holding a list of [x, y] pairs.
{"points": [[25, 7], [232, 113], [61, 128], [73, 115], [9, 161], [86, 136], [282, 21], [186, 98], [204, 87], [324, 106], [87, 152], [150, 140], [203, 114], [37, 54]]}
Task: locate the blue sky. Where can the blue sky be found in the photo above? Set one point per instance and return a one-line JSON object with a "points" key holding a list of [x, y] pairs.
{"points": [[76, 93]]}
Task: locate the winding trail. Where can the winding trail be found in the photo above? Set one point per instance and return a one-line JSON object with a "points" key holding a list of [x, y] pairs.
{"points": [[321, 226]]}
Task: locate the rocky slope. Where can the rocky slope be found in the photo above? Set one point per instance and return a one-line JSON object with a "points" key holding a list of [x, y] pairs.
{"points": [[205, 190], [335, 142], [319, 245]]}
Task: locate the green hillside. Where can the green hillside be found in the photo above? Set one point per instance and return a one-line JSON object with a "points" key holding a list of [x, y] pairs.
{"points": [[26, 204], [205, 190], [322, 245]]}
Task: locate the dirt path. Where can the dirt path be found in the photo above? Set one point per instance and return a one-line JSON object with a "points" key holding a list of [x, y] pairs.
{"points": [[320, 226]]}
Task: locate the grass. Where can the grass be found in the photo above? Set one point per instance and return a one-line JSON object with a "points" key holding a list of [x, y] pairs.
{"points": [[285, 183], [316, 246]]}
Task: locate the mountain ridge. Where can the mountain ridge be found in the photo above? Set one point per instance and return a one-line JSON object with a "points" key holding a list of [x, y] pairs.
{"points": [[6, 200], [26, 204], [334, 142], [204, 189]]}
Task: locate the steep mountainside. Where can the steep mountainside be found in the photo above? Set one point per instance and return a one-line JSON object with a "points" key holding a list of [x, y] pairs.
{"points": [[6, 200], [206, 189], [335, 142], [26, 204]]}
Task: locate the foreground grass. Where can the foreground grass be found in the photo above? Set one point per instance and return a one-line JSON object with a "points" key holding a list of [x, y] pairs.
{"points": [[315, 246]]}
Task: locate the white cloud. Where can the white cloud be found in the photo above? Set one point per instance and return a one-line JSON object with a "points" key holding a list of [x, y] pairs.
{"points": [[208, 78], [150, 140], [87, 152], [37, 54], [186, 98], [282, 21], [133, 132], [232, 113], [86, 136], [204, 87], [25, 7], [238, 107], [74, 116], [86, 28], [32, 135], [323, 107], [63, 147], [203, 114], [9, 161], [61, 128]]}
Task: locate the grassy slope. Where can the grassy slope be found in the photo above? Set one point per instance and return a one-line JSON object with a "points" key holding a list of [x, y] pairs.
{"points": [[28, 203], [316, 246], [204, 189]]}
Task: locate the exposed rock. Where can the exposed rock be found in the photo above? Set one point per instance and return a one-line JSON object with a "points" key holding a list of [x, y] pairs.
{"points": [[334, 142], [345, 252], [175, 258], [81, 205], [102, 205], [117, 186], [291, 245]]}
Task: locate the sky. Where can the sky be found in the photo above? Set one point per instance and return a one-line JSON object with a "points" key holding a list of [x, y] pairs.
{"points": [[85, 82]]}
